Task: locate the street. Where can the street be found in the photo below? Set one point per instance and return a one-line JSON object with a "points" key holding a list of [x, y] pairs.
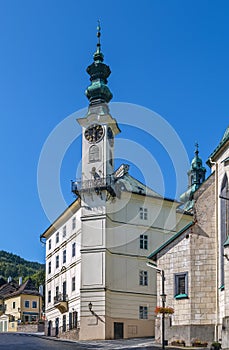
{"points": [[19, 341]]}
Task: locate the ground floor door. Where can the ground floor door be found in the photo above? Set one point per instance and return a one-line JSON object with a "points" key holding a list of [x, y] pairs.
{"points": [[118, 330]]}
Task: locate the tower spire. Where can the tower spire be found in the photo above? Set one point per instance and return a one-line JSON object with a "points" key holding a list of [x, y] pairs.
{"points": [[98, 91]]}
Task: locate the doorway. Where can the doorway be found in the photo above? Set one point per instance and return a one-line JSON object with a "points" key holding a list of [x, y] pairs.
{"points": [[118, 330]]}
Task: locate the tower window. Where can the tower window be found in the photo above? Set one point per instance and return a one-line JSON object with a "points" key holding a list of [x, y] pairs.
{"points": [[143, 213], [93, 154], [143, 242]]}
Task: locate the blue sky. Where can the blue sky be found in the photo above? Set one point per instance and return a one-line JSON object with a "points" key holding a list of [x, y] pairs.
{"points": [[168, 56]]}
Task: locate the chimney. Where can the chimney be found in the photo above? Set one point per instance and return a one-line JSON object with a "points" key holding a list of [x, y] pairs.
{"points": [[41, 290], [9, 279], [20, 281]]}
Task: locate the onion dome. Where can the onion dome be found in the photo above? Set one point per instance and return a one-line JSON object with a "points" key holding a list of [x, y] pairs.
{"points": [[98, 91]]}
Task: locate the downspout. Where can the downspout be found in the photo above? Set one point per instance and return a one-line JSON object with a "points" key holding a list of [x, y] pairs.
{"points": [[216, 335]]}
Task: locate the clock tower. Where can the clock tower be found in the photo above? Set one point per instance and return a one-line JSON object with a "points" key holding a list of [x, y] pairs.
{"points": [[98, 127], [96, 190]]}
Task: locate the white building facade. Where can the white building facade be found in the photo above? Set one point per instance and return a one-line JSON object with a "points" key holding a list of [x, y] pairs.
{"points": [[97, 283]]}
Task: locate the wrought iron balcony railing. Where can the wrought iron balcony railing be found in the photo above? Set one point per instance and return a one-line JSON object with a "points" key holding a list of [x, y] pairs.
{"points": [[96, 185], [60, 298]]}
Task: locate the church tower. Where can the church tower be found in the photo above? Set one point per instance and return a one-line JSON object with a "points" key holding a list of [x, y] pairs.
{"points": [[196, 176]]}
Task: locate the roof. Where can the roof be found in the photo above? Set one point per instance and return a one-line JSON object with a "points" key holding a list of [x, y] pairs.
{"points": [[153, 255], [67, 213], [223, 141], [12, 289], [126, 182]]}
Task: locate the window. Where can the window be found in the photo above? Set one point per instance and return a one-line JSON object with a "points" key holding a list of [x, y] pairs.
{"points": [[93, 154], [34, 304], [143, 242], [49, 267], [57, 291], [70, 320], [143, 213], [64, 231], [224, 222], [181, 285], [57, 261], [14, 305], [49, 296], [73, 223], [64, 323], [75, 319], [73, 249], [143, 278], [73, 284], [64, 256], [26, 303], [143, 312], [57, 237], [50, 244]]}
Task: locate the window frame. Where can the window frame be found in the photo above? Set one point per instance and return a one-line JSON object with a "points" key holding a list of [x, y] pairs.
{"points": [[143, 213], [34, 304], [143, 278], [57, 261], [57, 237], [73, 249], [49, 296], [64, 232], [64, 256], [26, 304], [73, 283], [49, 267], [144, 242], [143, 312], [177, 278], [73, 223]]}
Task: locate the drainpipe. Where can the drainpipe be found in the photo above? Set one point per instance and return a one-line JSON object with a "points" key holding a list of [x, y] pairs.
{"points": [[216, 249]]}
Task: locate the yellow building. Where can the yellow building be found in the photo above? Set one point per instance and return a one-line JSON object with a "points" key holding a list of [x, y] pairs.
{"points": [[21, 303]]}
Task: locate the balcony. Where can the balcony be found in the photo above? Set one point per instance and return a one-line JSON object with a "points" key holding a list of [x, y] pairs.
{"points": [[94, 185], [61, 302]]}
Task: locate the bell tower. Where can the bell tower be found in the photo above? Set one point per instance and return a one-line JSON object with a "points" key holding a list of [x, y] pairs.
{"points": [[96, 189], [98, 126]]}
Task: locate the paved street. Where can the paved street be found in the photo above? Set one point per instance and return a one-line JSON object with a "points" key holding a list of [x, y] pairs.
{"points": [[17, 341]]}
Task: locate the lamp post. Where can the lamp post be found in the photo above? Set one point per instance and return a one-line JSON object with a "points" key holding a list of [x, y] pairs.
{"points": [[163, 299]]}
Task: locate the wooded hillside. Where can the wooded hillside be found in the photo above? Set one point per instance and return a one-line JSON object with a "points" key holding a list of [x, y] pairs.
{"points": [[14, 266]]}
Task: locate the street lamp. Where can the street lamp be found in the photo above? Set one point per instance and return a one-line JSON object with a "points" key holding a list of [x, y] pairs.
{"points": [[163, 299]]}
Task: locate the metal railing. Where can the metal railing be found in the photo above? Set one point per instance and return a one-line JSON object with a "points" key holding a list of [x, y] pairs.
{"points": [[60, 297], [98, 184]]}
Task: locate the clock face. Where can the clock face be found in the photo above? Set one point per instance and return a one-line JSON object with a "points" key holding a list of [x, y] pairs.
{"points": [[94, 133], [110, 136]]}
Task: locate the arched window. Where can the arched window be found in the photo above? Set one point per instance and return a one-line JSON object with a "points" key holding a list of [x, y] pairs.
{"points": [[224, 220], [94, 154]]}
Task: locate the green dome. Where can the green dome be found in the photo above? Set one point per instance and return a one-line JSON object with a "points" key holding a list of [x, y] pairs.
{"points": [[98, 91]]}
